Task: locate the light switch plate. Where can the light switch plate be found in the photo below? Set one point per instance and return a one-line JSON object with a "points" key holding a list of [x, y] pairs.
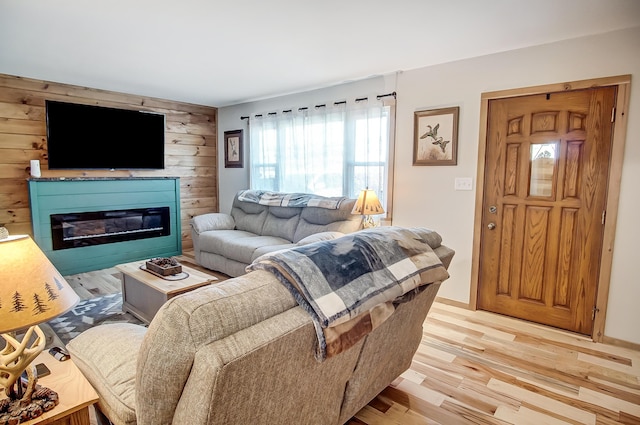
{"points": [[464, 183]]}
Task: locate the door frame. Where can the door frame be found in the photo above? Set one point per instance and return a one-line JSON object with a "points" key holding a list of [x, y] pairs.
{"points": [[623, 83]]}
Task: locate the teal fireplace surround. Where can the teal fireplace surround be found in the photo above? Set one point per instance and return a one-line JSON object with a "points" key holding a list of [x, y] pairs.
{"points": [[71, 195]]}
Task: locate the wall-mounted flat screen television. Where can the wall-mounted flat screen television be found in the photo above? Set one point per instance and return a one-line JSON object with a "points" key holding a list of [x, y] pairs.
{"points": [[95, 137]]}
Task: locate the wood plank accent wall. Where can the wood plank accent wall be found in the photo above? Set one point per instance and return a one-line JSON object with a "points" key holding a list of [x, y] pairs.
{"points": [[190, 146]]}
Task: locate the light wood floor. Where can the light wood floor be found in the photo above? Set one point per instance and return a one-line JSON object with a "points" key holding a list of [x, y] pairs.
{"points": [[474, 367]]}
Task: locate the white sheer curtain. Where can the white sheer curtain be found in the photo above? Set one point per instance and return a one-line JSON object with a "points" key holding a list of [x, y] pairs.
{"points": [[333, 150]]}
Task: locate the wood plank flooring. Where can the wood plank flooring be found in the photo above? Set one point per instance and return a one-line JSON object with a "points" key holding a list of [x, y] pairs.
{"points": [[475, 367]]}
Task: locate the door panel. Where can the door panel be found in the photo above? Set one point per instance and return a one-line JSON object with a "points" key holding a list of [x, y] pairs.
{"points": [[546, 170]]}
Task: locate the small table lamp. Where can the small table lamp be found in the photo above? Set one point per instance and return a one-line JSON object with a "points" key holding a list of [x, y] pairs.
{"points": [[32, 291], [368, 204]]}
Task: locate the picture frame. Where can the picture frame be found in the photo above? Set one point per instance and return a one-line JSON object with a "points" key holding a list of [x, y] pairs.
{"points": [[233, 149], [436, 136]]}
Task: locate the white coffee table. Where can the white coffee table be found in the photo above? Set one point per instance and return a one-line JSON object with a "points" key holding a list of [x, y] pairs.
{"points": [[143, 293]]}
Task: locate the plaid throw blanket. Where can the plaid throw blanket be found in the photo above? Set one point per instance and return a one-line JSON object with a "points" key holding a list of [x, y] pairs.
{"points": [[298, 200], [352, 284]]}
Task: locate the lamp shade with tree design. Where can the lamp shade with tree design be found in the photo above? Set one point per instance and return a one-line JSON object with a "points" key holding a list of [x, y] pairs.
{"points": [[32, 291]]}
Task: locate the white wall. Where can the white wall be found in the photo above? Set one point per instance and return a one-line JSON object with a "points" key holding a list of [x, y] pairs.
{"points": [[424, 196]]}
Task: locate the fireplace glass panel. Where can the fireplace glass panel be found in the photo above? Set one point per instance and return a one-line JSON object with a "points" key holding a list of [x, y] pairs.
{"points": [[73, 230]]}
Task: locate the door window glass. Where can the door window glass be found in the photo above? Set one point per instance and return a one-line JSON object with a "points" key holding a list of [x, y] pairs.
{"points": [[543, 163]]}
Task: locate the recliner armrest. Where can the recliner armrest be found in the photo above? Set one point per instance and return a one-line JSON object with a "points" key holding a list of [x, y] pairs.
{"points": [[212, 221]]}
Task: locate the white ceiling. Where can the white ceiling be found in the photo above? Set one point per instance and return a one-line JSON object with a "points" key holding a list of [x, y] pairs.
{"points": [[222, 52]]}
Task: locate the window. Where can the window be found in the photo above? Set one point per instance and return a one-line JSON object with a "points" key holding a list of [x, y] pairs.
{"points": [[329, 151]]}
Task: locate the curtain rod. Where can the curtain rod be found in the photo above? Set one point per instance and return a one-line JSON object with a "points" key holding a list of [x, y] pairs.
{"points": [[304, 108], [380, 96]]}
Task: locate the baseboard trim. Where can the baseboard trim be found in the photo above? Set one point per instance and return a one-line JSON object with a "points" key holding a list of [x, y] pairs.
{"points": [[605, 339], [620, 343], [453, 303]]}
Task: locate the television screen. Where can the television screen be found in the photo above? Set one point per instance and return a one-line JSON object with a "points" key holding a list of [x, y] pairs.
{"points": [[95, 137]]}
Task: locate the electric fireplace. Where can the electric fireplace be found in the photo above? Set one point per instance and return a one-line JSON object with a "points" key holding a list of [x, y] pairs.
{"points": [[73, 230]]}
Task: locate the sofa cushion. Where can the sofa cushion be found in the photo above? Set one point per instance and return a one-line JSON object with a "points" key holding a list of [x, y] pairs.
{"points": [[316, 220], [210, 241], [229, 245], [270, 249], [317, 237], [229, 267], [249, 216], [281, 222], [111, 368]]}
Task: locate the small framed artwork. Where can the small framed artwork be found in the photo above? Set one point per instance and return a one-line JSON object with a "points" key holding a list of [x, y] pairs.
{"points": [[233, 151], [436, 136]]}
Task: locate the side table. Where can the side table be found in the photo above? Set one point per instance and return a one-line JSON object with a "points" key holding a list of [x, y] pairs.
{"points": [[74, 392]]}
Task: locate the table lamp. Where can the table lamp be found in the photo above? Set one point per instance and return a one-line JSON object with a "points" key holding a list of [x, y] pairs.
{"points": [[32, 291], [367, 205]]}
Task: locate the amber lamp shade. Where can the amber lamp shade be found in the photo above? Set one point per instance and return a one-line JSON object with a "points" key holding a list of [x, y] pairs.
{"points": [[367, 205]]}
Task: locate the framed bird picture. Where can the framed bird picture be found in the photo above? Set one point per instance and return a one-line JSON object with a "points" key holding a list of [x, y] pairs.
{"points": [[436, 136], [233, 149]]}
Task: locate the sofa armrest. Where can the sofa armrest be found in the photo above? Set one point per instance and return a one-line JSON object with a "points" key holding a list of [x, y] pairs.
{"points": [[212, 221]]}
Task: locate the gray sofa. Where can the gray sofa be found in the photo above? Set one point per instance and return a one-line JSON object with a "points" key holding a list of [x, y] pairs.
{"points": [[228, 243], [242, 352]]}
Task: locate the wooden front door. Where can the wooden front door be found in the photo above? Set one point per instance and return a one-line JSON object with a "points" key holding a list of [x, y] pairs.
{"points": [[545, 188]]}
